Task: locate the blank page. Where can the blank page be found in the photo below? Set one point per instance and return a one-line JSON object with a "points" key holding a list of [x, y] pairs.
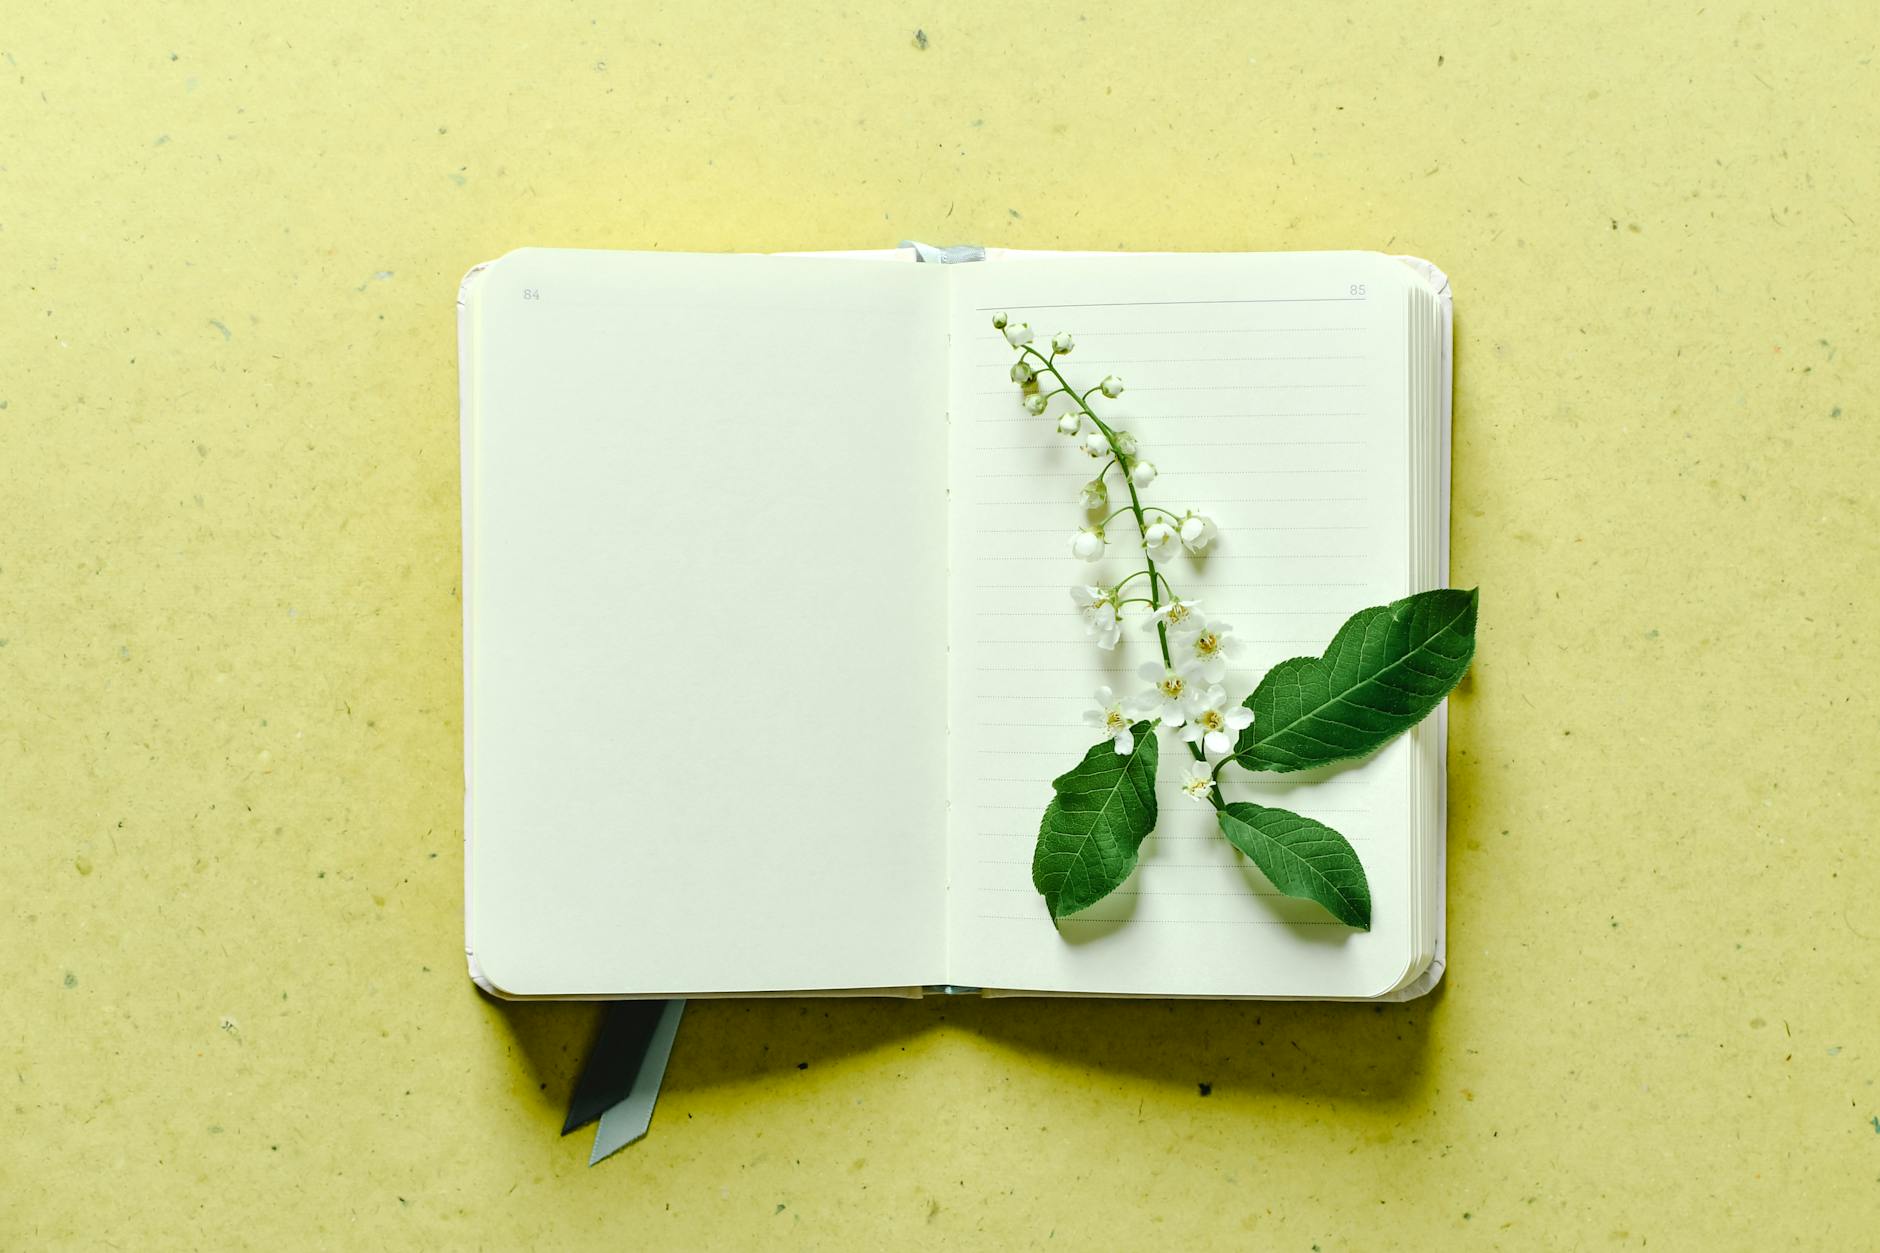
{"points": [[705, 623], [1271, 392]]}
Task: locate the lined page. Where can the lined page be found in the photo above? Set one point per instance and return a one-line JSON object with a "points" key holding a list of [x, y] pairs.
{"points": [[1271, 392], [705, 623]]}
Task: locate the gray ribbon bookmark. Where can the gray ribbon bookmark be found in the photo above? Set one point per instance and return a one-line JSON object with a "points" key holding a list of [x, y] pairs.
{"points": [[956, 254], [620, 1082]]}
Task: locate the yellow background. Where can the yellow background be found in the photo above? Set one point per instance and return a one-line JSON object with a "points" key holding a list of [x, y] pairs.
{"points": [[235, 1010]]}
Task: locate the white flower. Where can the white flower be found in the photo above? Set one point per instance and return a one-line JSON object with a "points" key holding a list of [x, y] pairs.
{"points": [[1197, 781], [1088, 543], [1095, 494], [1111, 386], [1197, 531], [1169, 694], [1109, 718], [1095, 444], [1022, 373], [1180, 616], [1101, 623], [1035, 403], [1070, 423], [1213, 723], [1142, 473], [1160, 541], [998, 321], [1211, 645], [1017, 334], [1126, 443], [1062, 342]]}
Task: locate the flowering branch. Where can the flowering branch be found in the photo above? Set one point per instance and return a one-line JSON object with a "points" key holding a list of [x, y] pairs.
{"points": [[1185, 694], [1386, 669]]}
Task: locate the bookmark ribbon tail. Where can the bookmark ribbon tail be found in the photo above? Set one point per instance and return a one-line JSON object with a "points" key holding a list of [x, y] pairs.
{"points": [[628, 1121], [613, 1061], [619, 1084], [954, 254]]}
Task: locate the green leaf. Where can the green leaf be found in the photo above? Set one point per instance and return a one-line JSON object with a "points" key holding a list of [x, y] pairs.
{"points": [[1301, 858], [1103, 810], [1384, 671]]}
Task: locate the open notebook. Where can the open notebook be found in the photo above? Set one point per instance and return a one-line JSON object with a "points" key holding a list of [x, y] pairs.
{"points": [[769, 660]]}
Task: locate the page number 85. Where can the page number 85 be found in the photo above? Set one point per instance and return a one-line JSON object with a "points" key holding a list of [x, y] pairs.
{"points": [[1357, 289]]}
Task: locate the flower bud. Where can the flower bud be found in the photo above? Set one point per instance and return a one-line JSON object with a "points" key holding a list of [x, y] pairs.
{"points": [[1087, 544], [1142, 473], [1062, 342], [1022, 373], [1035, 404], [998, 321], [1070, 423], [1111, 386], [1160, 541], [1197, 531]]}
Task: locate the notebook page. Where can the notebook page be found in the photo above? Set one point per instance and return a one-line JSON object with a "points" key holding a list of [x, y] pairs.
{"points": [[705, 507], [1271, 392]]}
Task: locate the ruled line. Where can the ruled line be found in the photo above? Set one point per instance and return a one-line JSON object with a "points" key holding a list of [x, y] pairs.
{"points": [[1166, 304], [1057, 502], [1163, 445], [1249, 890], [993, 337], [1211, 587], [1220, 387], [1080, 474], [1185, 922], [1223, 863], [1225, 530], [1070, 641], [1023, 416], [1006, 363], [1218, 557]]}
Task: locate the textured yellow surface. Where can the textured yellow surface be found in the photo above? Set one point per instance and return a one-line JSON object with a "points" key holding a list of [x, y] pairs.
{"points": [[235, 1010]]}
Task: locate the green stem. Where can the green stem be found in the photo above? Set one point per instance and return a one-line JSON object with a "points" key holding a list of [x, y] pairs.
{"points": [[1127, 581]]}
